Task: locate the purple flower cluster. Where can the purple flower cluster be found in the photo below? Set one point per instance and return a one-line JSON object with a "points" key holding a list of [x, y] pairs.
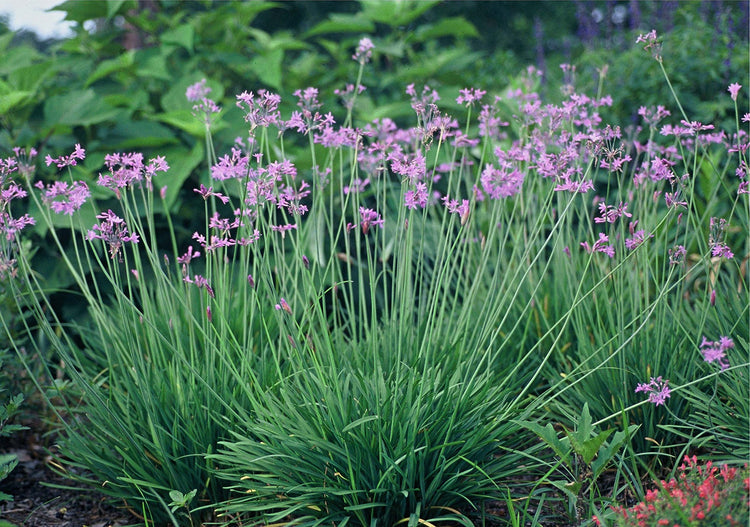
{"points": [[718, 248], [716, 351], [10, 224], [363, 54], [113, 231], [657, 389], [125, 170], [205, 107], [79, 154], [262, 111], [369, 218], [653, 45], [64, 198], [601, 245]]}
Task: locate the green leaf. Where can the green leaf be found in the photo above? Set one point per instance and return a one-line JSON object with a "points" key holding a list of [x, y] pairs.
{"points": [[571, 488], [358, 422], [114, 6], [268, 67], [80, 12], [395, 14], [12, 99], [181, 165], [31, 77], [108, 67], [457, 27], [342, 23], [584, 427], [183, 35], [152, 63], [549, 436], [608, 452], [78, 108], [136, 135], [5, 40], [184, 120], [589, 448], [18, 57]]}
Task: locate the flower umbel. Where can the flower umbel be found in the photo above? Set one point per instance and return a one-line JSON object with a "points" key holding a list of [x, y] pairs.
{"points": [[657, 389], [716, 351], [113, 231]]}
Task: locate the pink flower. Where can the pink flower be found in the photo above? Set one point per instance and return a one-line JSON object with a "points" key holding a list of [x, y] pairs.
{"points": [[70, 160], [610, 213], [733, 90], [657, 389], [716, 351], [62, 198], [469, 96], [112, 230], [283, 306], [196, 92], [364, 51], [601, 245], [369, 217]]}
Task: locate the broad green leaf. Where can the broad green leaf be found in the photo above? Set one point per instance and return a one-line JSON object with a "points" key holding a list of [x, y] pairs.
{"points": [[549, 435], [342, 23], [78, 108], [571, 488], [152, 62], [608, 451], [18, 57], [181, 165], [396, 13], [268, 67], [187, 122], [590, 447], [30, 77], [136, 135], [11, 100], [80, 12], [114, 6], [183, 35], [584, 428], [5, 40], [107, 67], [457, 27]]}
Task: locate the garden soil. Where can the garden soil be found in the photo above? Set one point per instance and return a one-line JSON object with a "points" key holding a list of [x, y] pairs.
{"points": [[38, 503]]}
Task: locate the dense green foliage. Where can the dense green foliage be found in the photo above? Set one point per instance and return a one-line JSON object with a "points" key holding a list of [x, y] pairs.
{"points": [[413, 309]]}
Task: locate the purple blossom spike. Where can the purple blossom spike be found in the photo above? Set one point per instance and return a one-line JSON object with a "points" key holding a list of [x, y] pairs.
{"points": [[196, 92], [677, 254]]}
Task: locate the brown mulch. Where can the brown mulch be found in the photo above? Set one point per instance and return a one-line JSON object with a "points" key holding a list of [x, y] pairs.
{"points": [[37, 504]]}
